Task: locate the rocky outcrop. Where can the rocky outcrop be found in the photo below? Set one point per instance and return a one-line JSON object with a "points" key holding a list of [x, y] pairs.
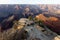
{"points": [[52, 22], [41, 17]]}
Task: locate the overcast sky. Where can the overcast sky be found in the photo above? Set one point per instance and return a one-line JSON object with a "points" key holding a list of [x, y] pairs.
{"points": [[29, 1]]}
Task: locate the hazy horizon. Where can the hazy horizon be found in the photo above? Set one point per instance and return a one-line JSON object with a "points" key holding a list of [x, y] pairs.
{"points": [[30, 2]]}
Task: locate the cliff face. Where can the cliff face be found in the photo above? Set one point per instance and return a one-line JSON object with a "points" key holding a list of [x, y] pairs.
{"points": [[53, 19], [44, 18], [52, 22]]}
